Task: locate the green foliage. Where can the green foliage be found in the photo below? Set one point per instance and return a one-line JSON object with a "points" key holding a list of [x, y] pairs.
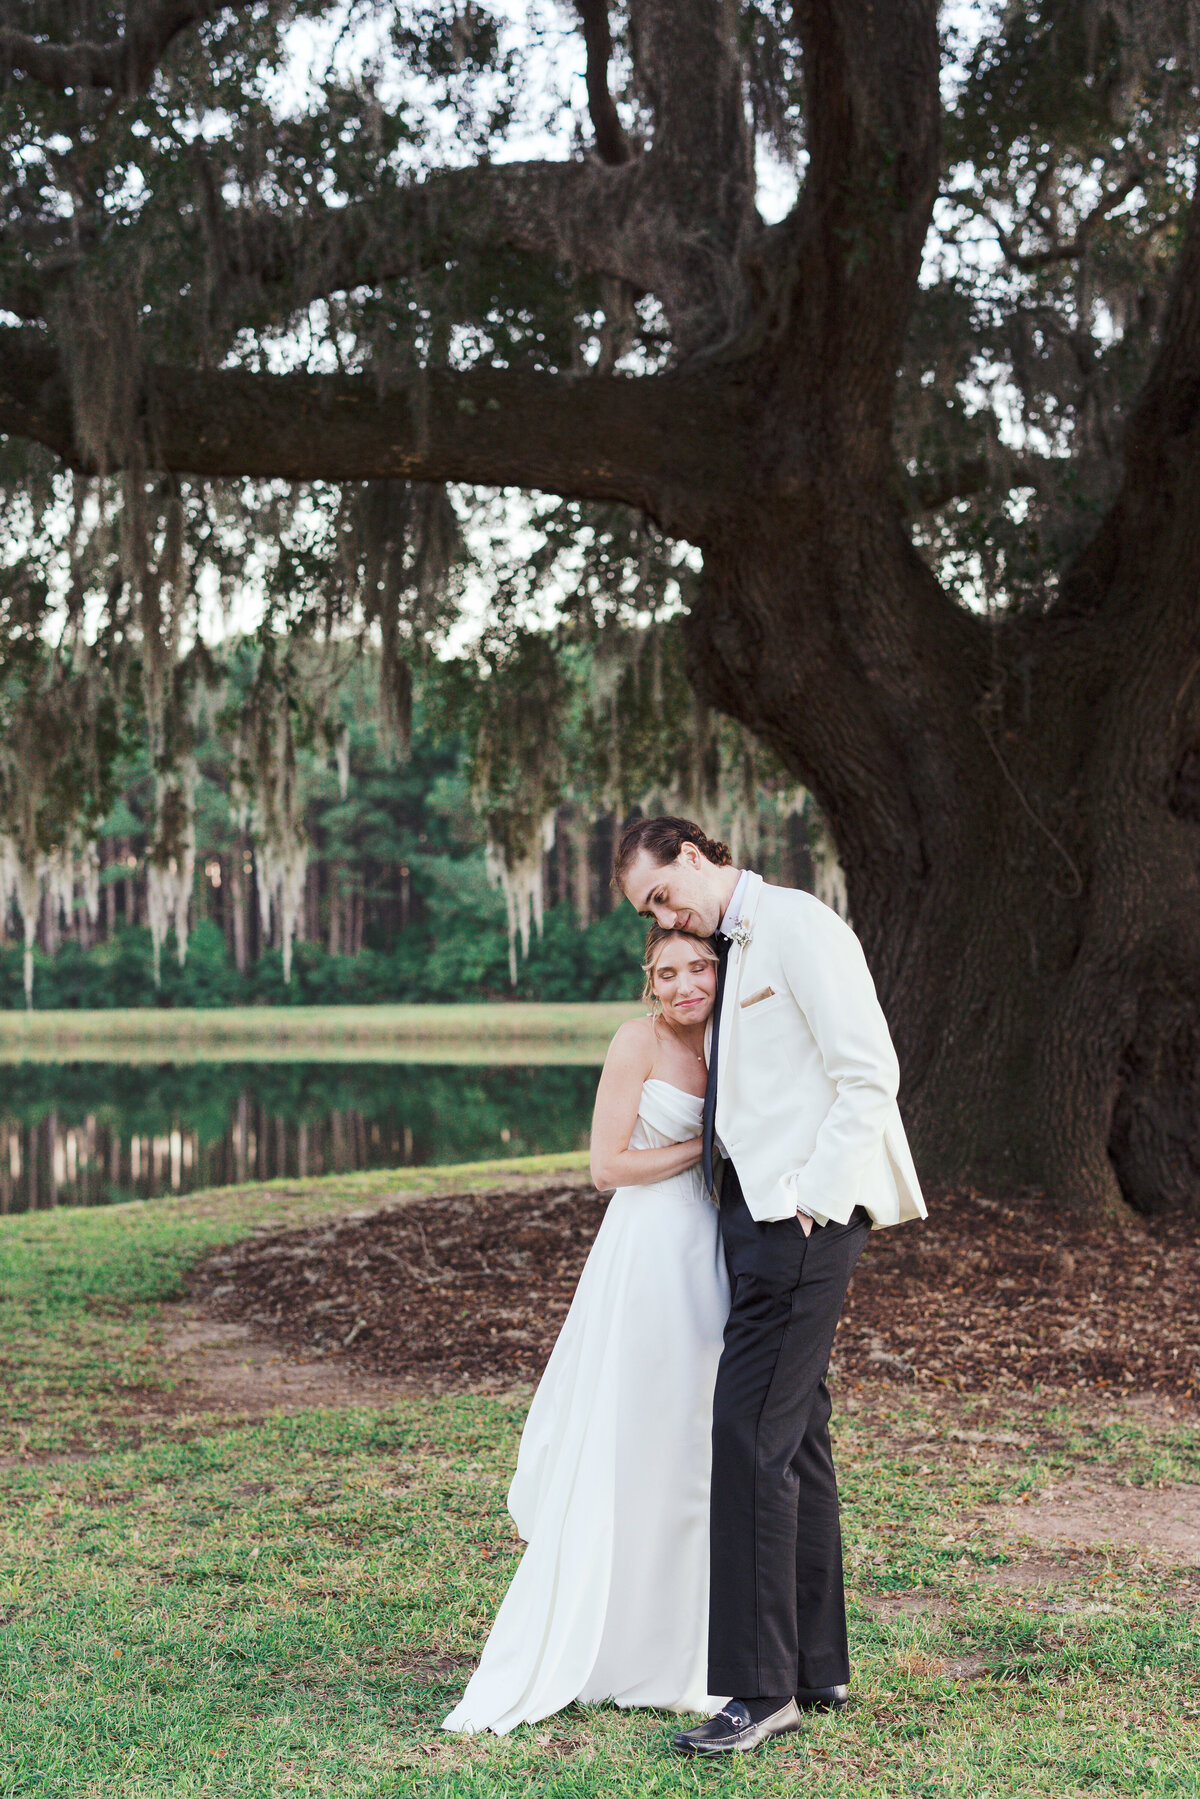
{"points": [[458, 952], [1068, 175], [61, 731]]}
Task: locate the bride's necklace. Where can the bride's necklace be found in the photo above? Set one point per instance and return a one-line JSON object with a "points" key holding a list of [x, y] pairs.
{"points": [[699, 1054]]}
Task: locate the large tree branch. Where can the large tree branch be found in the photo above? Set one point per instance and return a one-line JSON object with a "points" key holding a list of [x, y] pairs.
{"points": [[572, 212], [1166, 421], [1070, 249], [611, 143], [267, 263], [873, 630], [675, 223], [842, 270], [262, 265], [1152, 521], [123, 66], [667, 444], [688, 64]]}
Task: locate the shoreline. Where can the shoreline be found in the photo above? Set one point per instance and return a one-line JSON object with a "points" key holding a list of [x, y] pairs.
{"points": [[495, 1032]]}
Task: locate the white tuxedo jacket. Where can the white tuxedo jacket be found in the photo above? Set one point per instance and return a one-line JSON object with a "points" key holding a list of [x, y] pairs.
{"points": [[806, 1073]]}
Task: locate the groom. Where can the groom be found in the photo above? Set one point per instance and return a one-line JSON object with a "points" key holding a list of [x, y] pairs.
{"points": [[801, 1106]]}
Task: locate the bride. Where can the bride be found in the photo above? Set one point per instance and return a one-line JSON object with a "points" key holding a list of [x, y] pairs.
{"points": [[610, 1601]]}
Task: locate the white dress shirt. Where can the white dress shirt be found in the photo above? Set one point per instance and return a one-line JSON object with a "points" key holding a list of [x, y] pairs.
{"points": [[732, 915]]}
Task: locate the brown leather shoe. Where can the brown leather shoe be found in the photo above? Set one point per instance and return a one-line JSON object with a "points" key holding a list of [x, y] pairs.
{"points": [[733, 1731]]}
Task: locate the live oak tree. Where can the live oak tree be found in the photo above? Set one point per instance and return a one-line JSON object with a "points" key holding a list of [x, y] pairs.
{"points": [[937, 458]]}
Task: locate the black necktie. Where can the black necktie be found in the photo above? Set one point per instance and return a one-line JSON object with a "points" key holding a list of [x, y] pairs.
{"points": [[710, 1085]]}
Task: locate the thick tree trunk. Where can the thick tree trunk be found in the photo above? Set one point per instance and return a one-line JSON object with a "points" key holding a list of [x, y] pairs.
{"points": [[581, 870], [237, 907], [1020, 832], [109, 891], [1010, 1021]]}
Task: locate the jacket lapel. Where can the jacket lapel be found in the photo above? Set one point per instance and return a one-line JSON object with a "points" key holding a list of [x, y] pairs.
{"points": [[731, 1000]]}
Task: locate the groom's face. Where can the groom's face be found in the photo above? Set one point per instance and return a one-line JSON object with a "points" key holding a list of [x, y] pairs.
{"points": [[681, 896]]}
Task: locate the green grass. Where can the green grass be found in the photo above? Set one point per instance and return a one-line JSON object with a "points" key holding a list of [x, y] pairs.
{"points": [[81, 1287], [469, 1033], [292, 1607]]}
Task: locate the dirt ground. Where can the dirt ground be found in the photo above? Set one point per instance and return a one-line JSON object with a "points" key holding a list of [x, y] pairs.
{"points": [[1165, 1520], [469, 1291], [232, 1368], [242, 1374]]}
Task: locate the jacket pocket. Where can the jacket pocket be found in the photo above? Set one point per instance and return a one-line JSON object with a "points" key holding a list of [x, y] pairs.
{"points": [[763, 1004], [756, 999]]}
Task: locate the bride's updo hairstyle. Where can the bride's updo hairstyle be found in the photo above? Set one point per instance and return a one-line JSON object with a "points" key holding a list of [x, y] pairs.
{"points": [[664, 838], [656, 936]]}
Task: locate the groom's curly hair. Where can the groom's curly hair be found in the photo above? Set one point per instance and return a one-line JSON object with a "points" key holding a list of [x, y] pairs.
{"points": [[664, 838]]}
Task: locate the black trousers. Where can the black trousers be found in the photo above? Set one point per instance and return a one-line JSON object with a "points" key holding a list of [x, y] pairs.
{"points": [[777, 1610]]}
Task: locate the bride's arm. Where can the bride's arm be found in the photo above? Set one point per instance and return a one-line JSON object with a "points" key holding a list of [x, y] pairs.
{"points": [[626, 1067]]}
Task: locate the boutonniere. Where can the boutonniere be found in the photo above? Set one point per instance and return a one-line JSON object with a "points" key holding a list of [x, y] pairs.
{"points": [[740, 934]]}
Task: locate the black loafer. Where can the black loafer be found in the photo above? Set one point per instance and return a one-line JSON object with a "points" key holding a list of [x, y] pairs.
{"points": [[733, 1731], [822, 1699]]}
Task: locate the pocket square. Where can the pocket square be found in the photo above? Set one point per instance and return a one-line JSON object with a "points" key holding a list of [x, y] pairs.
{"points": [[753, 999]]}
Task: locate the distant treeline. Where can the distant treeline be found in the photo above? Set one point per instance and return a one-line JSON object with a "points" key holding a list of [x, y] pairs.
{"points": [[397, 905], [455, 952]]}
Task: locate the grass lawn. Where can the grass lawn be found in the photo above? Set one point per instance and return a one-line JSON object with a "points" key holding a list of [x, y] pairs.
{"points": [[476, 1033], [291, 1606]]}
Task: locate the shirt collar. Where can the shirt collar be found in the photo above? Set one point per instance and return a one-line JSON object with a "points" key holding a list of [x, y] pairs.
{"points": [[733, 911]]}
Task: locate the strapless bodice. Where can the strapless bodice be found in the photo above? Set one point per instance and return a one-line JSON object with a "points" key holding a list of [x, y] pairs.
{"points": [[666, 1114]]}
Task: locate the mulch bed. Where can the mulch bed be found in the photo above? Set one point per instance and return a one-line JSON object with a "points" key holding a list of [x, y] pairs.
{"points": [[470, 1291]]}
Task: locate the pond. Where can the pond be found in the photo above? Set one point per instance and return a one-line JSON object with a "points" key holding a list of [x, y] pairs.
{"points": [[93, 1133]]}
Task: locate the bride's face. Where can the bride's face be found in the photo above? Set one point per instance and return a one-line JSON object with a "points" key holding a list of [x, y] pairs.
{"points": [[684, 983]]}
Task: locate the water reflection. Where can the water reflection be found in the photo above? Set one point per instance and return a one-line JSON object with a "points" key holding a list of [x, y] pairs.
{"points": [[93, 1133]]}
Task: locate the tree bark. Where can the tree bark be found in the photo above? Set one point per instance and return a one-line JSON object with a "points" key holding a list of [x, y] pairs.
{"points": [[335, 915], [6, 1176], [237, 907], [1021, 843], [312, 901], [109, 891], [670, 441], [126, 64]]}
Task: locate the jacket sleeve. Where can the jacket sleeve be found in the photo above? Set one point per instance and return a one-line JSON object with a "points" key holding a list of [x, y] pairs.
{"points": [[828, 977]]}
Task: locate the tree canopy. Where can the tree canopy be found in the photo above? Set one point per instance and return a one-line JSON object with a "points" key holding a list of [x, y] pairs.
{"points": [[869, 352]]}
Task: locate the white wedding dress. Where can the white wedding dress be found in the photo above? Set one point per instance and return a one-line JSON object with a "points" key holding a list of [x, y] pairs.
{"points": [[610, 1601]]}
